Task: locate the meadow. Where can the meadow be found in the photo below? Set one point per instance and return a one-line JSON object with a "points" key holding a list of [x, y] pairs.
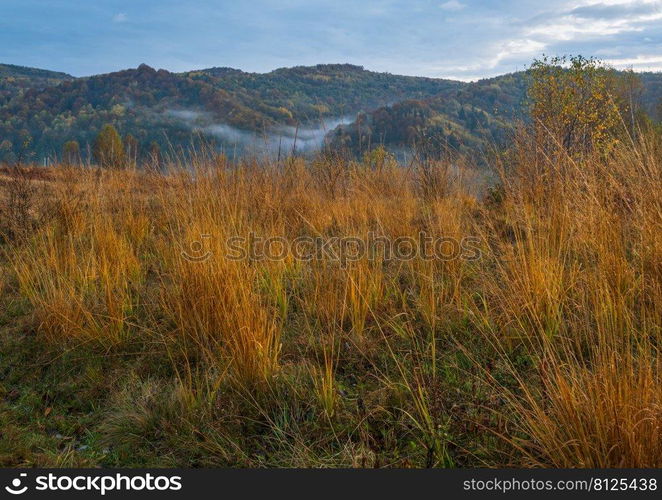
{"points": [[119, 350], [130, 337]]}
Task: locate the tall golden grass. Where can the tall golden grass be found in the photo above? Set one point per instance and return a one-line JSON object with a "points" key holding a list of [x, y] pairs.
{"points": [[570, 275]]}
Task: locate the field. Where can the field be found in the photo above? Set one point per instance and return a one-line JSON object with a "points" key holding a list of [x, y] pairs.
{"points": [[131, 336]]}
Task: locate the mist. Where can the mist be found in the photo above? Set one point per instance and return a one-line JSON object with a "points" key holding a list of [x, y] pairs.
{"points": [[281, 139]]}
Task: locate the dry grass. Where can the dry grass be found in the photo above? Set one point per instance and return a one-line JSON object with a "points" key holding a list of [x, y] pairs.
{"points": [[570, 281]]}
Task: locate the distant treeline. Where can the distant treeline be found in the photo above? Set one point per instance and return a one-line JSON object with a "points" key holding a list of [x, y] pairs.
{"points": [[48, 116]]}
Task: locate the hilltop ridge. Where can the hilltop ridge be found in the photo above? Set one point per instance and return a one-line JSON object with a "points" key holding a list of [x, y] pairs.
{"points": [[40, 110]]}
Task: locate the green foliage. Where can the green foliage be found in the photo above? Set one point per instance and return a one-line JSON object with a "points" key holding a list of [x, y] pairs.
{"points": [[108, 149], [71, 153], [460, 119], [144, 103], [177, 111], [309, 93], [585, 101], [15, 80]]}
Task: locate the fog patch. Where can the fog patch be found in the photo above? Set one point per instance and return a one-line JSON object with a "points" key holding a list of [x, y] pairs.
{"points": [[186, 114], [279, 140]]}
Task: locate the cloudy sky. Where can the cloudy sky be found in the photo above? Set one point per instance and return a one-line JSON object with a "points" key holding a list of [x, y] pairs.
{"points": [[464, 39]]}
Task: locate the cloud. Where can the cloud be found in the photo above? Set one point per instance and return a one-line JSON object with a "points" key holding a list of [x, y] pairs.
{"points": [[452, 5], [611, 11], [597, 20], [623, 32], [522, 48], [436, 38], [640, 63]]}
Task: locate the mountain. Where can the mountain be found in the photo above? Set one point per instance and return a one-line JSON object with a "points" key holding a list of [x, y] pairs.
{"points": [[228, 106], [142, 102], [461, 118], [16, 79], [298, 108], [310, 93], [467, 118]]}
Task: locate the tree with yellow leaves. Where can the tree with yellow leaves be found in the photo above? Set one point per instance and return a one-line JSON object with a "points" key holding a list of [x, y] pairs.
{"points": [[108, 148], [579, 103]]}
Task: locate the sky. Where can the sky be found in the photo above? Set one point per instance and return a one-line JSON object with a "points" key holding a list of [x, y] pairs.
{"points": [[460, 39]]}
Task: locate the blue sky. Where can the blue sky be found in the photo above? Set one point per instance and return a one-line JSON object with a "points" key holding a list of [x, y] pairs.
{"points": [[463, 39]]}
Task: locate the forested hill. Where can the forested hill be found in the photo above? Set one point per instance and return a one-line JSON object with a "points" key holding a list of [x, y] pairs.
{"points": [[466, 118], [16, 79], [224, 105], [308, 93], [300, 106], [142, 102]]}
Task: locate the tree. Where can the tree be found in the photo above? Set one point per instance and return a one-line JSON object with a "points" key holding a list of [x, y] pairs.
{"points": [[131, 146], [71, 153], [108, 150], [577, 103], [7, 151], [25, 152]]}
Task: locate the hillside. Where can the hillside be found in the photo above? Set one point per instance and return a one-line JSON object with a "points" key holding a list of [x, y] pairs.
{"points": [[141, 102], [16, 79], [469, 117], [133, 333], [228, 106], [309, 93], [299, 107]]}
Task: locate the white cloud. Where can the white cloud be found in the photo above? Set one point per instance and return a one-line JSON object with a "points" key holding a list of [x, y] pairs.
{"points": [[453, 5], [620, 2], [120, 17], [570, 27], [640, 62], [615, 30], [517, 48], [597, 19], [488, 64]]}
